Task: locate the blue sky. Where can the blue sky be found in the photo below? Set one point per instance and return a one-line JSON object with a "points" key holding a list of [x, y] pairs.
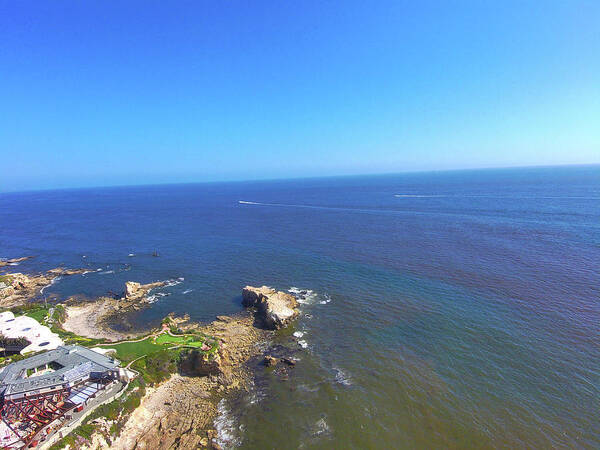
{"points": [[104, 93]]}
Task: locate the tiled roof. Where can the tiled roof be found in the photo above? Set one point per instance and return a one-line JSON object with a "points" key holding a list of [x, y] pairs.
{"points": [[71, 358]]}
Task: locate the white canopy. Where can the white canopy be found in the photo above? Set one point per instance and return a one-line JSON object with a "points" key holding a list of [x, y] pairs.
{"points": [[40, 336]]}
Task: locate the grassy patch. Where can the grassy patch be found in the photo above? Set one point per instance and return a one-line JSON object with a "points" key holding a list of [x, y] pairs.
{"points": [[196, 340], [72, 338], [128, 351], [157, 366], [36, 311], [38, 314], [188, 340]]}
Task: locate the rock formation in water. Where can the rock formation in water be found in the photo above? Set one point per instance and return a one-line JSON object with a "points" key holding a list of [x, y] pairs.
{"points": [[8, 262], [61, 271], [270, 361], [275, 308], [135, 290]]}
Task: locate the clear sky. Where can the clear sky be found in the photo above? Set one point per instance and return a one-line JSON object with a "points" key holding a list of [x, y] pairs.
{"points": [[101, 92]]}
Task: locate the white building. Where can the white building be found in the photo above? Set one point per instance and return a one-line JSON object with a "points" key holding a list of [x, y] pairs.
{"points": [[39, 336]]}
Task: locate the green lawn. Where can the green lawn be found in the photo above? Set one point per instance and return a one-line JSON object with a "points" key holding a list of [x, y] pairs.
{"points": [[35, 310], [128, 351], [38, 314], [167, 339]]}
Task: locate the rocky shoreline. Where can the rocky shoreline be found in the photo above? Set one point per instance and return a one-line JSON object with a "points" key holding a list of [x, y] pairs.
{"points": [[179, 412], [17, 288], [96, 318]]}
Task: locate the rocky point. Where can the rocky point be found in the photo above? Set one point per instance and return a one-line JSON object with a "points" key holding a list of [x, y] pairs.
{"points": [[275, 308]]}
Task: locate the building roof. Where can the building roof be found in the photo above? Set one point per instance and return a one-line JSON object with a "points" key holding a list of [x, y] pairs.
{"points": [[39, 336], [73, 360]]}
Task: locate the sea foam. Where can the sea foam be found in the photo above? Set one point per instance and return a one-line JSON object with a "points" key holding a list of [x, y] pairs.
{"points": [[226, 427], [303, 296]]}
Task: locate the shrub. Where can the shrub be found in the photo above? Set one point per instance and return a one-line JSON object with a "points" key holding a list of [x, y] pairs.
{"points": [[157, 366]]}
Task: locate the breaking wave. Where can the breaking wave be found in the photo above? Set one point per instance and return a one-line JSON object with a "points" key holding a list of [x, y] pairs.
{"points": [[327, 299], [320, 427], [173, 282], [155, 297], [225, 424], [303, 296], [342, 377], [54, 280]]}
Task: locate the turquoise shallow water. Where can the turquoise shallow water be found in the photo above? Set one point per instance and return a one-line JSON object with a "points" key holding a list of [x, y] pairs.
{"points": [[456, 309]]}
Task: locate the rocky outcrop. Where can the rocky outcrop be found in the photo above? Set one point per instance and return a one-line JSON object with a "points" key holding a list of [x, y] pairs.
{"points": [[135, 290], [61, 271], [17, 288], [270, 361], [8, 262], [194, 362], [132, 288], [275, 308]]}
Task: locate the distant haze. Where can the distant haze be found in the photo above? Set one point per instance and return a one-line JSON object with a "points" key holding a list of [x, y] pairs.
{"points": [[99, 93]]}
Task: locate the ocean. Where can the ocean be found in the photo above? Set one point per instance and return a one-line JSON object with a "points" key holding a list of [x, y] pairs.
{"points": [[446, 310]]}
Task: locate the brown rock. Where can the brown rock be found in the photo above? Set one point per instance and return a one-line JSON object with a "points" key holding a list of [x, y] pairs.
{"points": [[270, 361], [132, 289], [275, 308], [65, 272], [196, 363], [135, 290], [6, 262]]}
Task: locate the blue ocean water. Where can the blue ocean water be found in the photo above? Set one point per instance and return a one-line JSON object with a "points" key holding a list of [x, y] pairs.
{"points": [[450, 309]]}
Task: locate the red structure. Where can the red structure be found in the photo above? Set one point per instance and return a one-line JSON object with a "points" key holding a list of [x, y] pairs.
{"points": [[26, 416], [35, 393]]}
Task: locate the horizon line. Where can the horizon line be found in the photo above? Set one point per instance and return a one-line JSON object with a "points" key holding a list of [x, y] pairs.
{"points": [[258, 180]]}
